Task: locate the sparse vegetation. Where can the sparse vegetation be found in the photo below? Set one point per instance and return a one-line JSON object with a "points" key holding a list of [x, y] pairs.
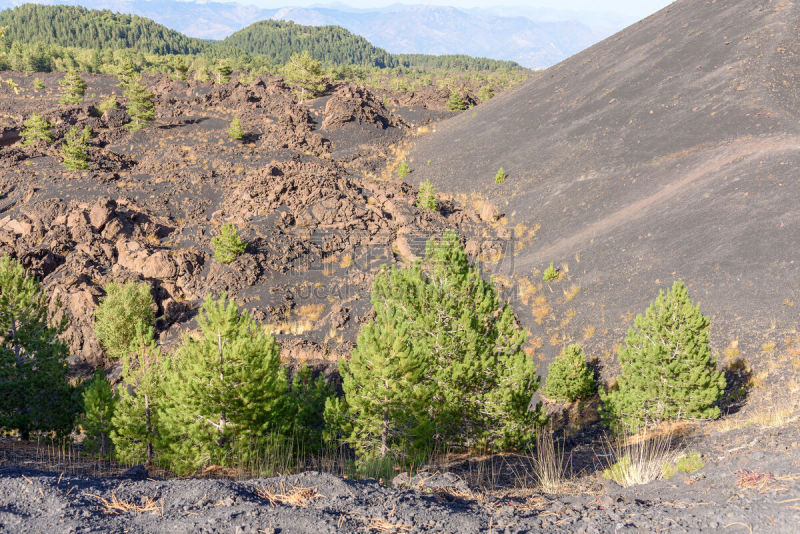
{"points": [[124, 310], [228, 245], [141, 107], [550, 274], [500, 177], [569, 377], [402, 169], [667, 369], [688, 463], [106, 105], [426, 198], [38, 84], [36, 129], [636, 460]]}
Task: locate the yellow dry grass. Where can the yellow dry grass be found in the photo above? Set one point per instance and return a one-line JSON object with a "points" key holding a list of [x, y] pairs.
{"points": [[117, 506], [297, 497]]}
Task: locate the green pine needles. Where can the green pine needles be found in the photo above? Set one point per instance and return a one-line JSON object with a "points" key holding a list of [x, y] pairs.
{"points": [[224, 390], [550, 274], [440, 366], [73, 88], [73, 151], [569, 377], [235, 131], [456, 102], [34, 393], [141, 107], [403, 169], [135, 420], [304, 72], [667, 369], [122, 312], [36, 129], [228, 245], [98, 411], [500, 177], [426, 197], [222, 72]]}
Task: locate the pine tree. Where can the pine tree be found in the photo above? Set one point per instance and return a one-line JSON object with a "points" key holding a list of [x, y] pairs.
{"points": [[308, 396], [306, 73], [74, 148], [98, 410], [500, 177], [228, 245], [667, 369], [141, 107], [426, 198], [222, 72], [236, 131], [74, 88], [223, 391], [569, 377], [384, 383], [441, 363], [124, 310], [34, 393], [456, 102], [38, 84], [135, 421], [36, 129]]}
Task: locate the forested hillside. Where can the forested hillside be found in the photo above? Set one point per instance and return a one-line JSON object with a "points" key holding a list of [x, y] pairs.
{"points": [[79, 27], [331, 44]]}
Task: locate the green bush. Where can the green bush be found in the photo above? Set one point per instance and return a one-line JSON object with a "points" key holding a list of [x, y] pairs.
{"points": [[34, 393], [38, 83], [667, 369], [500, 177], [141, 106], [227, 244], [98, 411], [426, 198], [124, 310], [235, 131], [36, 129], [550, 274], [688, 463], [107, 105], [569, 377], [403, 169], [486, 93]]}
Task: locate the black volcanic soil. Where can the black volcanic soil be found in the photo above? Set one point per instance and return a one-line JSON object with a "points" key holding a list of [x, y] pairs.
{"points": [[667, 151]]}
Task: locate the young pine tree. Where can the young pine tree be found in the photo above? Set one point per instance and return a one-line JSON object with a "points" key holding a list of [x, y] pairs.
{"points": [[228, 245], [74, 148], [426, 198], [34, 392], [38, 84], [36, 129], [236, 131], [124, 310], [224, 390], [73, 88], [308, 396], [141, 108], [384, 384], [135, 422], [456, 102], [667, 369], [222, 73], [305, 72], [98, 411], [569, 377]]}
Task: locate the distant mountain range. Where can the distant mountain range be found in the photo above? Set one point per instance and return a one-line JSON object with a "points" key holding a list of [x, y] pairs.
{"points": [[534, 38]]}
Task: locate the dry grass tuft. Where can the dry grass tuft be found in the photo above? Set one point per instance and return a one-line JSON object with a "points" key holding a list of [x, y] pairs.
{"points": [[117, 506], [297, 497], [635, 459], [382, 525], [754, 479], [551, 465]]}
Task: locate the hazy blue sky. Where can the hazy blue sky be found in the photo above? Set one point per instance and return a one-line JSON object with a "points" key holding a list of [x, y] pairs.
{"points": [[639, 8]]}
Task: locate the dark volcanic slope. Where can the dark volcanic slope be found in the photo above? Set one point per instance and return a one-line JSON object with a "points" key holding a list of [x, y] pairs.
{"points": [[669, 150]]}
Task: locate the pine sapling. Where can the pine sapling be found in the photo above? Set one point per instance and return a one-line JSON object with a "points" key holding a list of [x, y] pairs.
{"points": [[36, 129], [426, 198], [73, 150], [569, 377], [73, 88], [500, 177], [236, 131], [228, 245], [98, 411]]}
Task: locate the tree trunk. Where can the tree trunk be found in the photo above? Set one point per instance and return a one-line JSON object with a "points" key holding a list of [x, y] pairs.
{"points": [[222, 421], [148, 428], [385, 433]]}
